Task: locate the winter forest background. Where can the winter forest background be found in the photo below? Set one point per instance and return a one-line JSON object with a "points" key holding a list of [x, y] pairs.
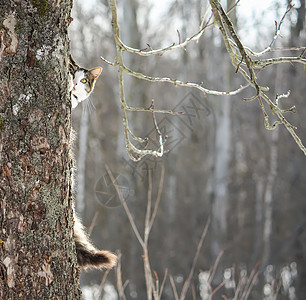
{"points": [[222, 165]]}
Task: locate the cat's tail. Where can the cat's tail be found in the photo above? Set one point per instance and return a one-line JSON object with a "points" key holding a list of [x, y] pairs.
{"points": [[87, 255]]}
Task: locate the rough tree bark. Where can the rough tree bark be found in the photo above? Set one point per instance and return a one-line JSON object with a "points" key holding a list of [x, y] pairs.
{"points": [[37, 251]]}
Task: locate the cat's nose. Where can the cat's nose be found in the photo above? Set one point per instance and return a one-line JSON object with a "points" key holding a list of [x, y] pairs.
{"points": [[74, 84]]}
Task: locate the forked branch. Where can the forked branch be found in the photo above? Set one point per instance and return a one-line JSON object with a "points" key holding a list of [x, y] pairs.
{"points": [[241, 58], [228, 32], [137, 153]]}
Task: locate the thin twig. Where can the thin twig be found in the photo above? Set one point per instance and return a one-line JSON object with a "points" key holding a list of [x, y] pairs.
{"points": [[120, 286], [195, 259], [93, 223], [163, 284], [147, 267], [214, 269], [193, 292], [107, 61], [278, 28], [158, 198], [176, 297], [250, 286], [239, 288], [217, 289], [98, 296], [149, 219], [126, 208], [148, 210], [276, 35], [250, 282]]}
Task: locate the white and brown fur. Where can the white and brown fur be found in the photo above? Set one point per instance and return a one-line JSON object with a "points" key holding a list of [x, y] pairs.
{"points": [[82, 82], [87, 255]]}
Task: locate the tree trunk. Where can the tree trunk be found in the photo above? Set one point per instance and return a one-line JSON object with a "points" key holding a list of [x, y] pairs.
{"points": [[37, 251], [83, 135], [222, 156]]}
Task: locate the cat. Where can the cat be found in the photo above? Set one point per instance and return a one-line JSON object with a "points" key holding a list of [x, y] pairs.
{"points": [[82, 82], [88, 257], [81, 86]]}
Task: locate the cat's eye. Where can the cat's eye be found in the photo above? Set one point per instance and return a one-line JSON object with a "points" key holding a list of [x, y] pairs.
{"points": [[84, 80]]}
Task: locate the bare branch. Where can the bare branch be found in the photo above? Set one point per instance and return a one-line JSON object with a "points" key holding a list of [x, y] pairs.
{"points": [[143, 241], [176, 297], [278, 27], [120, 286], [161, 51], [160, 188], [277, 60], [225, 26], [107, 61], [217, 289], [240, 58], [98, 296], [145, 52], [186, 84], [169, 112], [126, 208], [276, 34], [163, 284], [214, 268], [250, 283], [134, 152], [93, 223]]}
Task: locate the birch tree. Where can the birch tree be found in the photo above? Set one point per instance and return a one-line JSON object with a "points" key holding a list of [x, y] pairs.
{"points": [[37, 252]]}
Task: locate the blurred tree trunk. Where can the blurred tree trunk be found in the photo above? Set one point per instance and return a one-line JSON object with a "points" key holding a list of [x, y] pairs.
{"points": [[269, 194], [37, 251], [134, 92], [222, 152], [83, 137], [259, 210], [297, 27], [297, 36], [268, 198], [133, 88]]}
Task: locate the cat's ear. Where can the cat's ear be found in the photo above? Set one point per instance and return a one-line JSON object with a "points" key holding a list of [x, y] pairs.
{"points": [[95, 72]]}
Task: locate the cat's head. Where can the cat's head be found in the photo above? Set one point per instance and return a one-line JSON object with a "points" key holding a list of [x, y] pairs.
{"points": [[83, 82]]}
